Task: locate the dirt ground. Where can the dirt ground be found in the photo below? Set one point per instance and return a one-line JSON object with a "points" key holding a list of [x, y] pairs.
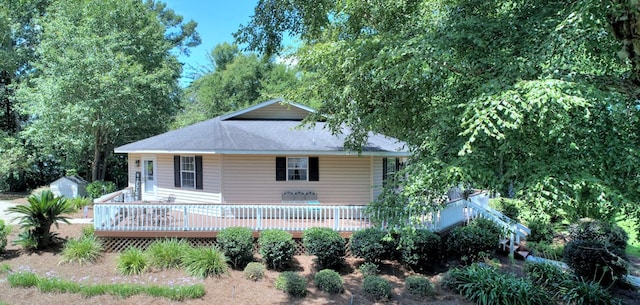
{"points": [[228, 289]]}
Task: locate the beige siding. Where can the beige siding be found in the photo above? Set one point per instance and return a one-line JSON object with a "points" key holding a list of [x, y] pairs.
{"points": [[276, 111], [377, 176], [165, 188], [251, 179]]}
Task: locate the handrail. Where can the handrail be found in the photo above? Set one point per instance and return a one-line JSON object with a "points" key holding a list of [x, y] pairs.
{"points": [[213, 217], [511, 226]]}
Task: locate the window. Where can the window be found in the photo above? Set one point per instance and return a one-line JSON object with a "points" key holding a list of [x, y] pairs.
{"points": [[188, 171], [390, 166], [297, 169]]}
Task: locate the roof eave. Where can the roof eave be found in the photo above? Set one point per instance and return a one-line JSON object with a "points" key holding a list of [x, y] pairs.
{"points": [[271, 152]]}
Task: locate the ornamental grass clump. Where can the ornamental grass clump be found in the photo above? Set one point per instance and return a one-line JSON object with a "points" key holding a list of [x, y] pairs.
{"points": [[131, 261], [329, 281], [5, 230], [82, 251], [167, 253], [203, 262]]}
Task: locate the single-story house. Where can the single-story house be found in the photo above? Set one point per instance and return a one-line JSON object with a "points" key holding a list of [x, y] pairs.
{"points": [[260, 155], [69, 187]]}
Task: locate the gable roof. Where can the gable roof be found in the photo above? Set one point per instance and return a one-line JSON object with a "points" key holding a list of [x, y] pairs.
{"points": [[267, 128]]}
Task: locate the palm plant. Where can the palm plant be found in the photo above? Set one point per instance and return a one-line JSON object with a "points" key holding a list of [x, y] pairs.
{"points": [[43, 210]]}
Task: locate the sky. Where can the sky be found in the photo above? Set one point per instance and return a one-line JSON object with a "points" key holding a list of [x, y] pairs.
{"points": [[217, 21]]}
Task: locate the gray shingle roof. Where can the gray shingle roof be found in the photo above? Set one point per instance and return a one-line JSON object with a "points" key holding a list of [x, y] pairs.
{"points": [[224, 135]]}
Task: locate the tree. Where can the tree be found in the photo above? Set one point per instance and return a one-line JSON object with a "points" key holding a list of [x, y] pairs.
{"points": [[534, 99], [106, 75], [43, 210], [237, 81]]}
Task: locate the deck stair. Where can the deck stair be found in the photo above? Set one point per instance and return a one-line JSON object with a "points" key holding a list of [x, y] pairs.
{"points": [[514, 232]]}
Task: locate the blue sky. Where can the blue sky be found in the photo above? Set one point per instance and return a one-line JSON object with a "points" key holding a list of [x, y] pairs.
{"points": [[217, 20]]}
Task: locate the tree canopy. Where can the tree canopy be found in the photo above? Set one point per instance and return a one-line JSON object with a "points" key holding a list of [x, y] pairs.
{"points": [[532, 99], [104, 74]]}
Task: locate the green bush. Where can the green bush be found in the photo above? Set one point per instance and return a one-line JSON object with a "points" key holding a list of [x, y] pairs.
{"points": [[131, 261], [368, 269], [468, 242], [546, 274], [508, 207], [79, 203], [277, 248], [203, 262], [487, 285], [419, 286], [237, 245], [326, 244], [5, 230], [254, 271], [99, 188], [83, 250], [596, 251], [546, 250], [419, 248], [368, 244], [36, 218], [541, 230], [292, 283], [377, 287], [167, 253], [329, 281]]}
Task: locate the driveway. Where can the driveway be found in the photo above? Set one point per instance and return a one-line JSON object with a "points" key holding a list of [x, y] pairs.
{"points": [[4, 215]]}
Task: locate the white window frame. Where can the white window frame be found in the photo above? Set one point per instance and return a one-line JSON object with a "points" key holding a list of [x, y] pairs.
{"points": [[183, 171], [306, 169]]}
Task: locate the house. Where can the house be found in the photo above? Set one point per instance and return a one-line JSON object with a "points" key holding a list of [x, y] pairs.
{"points": [[69, 187], [260, 155]]}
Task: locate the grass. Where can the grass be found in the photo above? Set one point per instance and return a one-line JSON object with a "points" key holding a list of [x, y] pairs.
{"points": [[204, 261], [57, 285], [82, 251], [167, 253], [633, 245], [131, 261]]}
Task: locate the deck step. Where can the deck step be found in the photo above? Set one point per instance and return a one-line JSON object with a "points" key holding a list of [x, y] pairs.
{"points": [[523, 253]]}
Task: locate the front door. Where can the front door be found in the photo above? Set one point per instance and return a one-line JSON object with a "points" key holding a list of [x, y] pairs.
{"points": [[149, 181]]}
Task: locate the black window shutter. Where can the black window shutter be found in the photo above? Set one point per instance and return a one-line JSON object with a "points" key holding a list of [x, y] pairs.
{"points": [[176, 171], [384, 169], [281, 169], [397, 165], [198, 172], [314, 169]]}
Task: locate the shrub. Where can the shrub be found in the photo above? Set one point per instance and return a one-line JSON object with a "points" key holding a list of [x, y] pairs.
{"points": [[79, 203], [237, 245], [419, 247], [329, 281], [419, 286], [546, 250], [167, 253], [541, 230], [368, 269], [368, 244], [377, 287], [596, 251], [326, 244], [5, 230], [131, 261], [508, 207], [204, 261], [292, 283], [481, 284], [254, 271], [42, 211], [98, 188], [468, 242], [83, 250], [276, 247]]}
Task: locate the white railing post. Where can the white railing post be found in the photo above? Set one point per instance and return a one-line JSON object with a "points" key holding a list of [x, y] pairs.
{"points": [[336, 218], [259, 219]]}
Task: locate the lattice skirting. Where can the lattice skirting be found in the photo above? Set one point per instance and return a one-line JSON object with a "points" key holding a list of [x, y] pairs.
{"points": [[118, 244]]}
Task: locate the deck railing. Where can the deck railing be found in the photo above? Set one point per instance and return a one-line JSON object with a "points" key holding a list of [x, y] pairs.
{"points": [[214, 217]]}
